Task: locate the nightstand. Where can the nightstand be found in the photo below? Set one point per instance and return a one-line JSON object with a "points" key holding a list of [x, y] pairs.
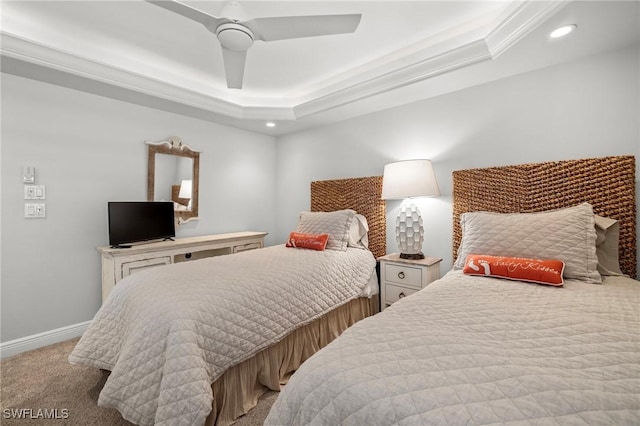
{"points": [[401, 277]]}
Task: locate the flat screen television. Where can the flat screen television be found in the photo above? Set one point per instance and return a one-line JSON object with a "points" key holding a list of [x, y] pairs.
{"points": [[134, 221]]}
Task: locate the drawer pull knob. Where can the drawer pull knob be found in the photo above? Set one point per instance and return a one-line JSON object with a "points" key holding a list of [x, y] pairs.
{"points": [[401, 295], [187, 255], [401, 275]]}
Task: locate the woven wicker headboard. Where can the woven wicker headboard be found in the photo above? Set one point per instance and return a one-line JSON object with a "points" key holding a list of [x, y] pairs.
{"points": [[607, 183], [360, 194]]}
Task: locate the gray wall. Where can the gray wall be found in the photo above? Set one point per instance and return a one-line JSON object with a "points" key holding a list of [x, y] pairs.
{"points": [[587, 108], [88, 150]]}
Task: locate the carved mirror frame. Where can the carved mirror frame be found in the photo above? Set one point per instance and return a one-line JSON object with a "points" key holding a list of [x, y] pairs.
{"points": [[175, 146]]}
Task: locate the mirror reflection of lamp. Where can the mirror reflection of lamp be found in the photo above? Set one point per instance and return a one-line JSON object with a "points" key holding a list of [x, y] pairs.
{"points": [[185, 191], [405, 180]]}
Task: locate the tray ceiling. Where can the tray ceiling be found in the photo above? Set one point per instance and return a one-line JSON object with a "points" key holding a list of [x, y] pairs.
{"points": [[402, 51]]}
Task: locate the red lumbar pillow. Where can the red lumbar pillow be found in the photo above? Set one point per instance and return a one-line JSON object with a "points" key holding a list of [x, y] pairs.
{"points": [[539, 271], [308, 241]]}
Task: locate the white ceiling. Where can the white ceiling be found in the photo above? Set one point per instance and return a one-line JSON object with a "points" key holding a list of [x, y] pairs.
{"points": [[402, 51]]}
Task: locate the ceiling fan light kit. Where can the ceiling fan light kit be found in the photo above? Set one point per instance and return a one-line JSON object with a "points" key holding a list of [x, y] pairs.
{"points": [[235, 37], [236, 32]]}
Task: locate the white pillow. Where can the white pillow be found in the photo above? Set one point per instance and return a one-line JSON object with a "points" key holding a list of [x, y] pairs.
{"points": [[565, 234], [359, 232], [608, 235], [337, 224]]}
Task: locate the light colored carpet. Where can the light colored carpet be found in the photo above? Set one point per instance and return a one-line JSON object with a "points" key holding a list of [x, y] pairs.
{"points": [[44, 379]]}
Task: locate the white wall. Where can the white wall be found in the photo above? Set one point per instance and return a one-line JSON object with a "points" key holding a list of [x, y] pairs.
{"points": [[588, 108], [88, 150]]}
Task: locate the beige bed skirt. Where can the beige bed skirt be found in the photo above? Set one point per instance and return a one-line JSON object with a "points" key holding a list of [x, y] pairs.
{"points": [[239, 388]]}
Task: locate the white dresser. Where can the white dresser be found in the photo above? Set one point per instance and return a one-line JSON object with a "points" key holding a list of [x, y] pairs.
{"points": [[118, 263]]}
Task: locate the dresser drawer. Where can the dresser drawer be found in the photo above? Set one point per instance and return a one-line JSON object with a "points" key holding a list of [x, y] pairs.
{"points": [[394, 293], [129, 268], [246, 247], [203, 254], [405, 275]]}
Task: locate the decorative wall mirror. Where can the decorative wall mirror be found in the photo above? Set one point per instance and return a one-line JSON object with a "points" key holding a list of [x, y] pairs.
{"points": [[173, 175]]}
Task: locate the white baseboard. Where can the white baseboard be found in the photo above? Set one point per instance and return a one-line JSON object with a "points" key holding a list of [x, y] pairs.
{"points": [[35, 341]]}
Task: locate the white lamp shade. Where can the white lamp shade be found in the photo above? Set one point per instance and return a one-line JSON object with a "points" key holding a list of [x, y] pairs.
{"points": [[410, 178], [185, 189], [405, 179]]}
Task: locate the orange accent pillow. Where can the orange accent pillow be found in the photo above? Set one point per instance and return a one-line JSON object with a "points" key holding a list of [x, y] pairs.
{"points": [[308, 241], [539, 271]]}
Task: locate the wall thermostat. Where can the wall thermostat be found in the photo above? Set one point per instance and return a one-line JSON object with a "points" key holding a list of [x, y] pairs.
{"points": [[29, 174]]}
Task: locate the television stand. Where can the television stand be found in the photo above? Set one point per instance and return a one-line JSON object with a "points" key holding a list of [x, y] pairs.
{"points": [[118, 264], [121, 246]]}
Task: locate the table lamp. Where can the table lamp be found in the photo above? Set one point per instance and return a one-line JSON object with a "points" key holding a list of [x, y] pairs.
{"points": [[185, 190], [406, 180]]}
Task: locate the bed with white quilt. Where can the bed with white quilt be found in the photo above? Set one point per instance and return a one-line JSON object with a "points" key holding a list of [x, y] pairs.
{"points": [[538, 322], [198, 342]]}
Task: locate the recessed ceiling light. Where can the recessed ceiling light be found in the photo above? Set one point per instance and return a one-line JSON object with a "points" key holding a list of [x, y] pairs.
{"points": [[270, 124], [563, 31]]}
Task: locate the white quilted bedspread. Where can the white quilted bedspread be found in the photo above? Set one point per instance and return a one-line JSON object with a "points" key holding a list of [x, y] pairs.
{"points": [[478, 350], [167, 333]]}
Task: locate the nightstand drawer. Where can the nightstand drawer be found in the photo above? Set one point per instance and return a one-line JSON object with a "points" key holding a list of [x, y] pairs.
{"points": [[395, 293], [405, 275]]}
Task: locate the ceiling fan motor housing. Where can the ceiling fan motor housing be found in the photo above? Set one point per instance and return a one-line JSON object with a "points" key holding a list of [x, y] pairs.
{"points": [[234, 11], [235, 36]]}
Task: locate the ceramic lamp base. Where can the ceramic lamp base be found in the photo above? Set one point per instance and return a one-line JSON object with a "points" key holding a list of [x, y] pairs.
{"points": [[409, 231]]}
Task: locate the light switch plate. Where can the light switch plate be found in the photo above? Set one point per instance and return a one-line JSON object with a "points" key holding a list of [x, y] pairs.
{"points": [[35, 210], [34, 192]]}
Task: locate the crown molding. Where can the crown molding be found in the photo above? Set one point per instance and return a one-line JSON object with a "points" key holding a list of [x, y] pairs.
{"points": [[30, 52], [400, 77], [377, 77], [520, 23]]}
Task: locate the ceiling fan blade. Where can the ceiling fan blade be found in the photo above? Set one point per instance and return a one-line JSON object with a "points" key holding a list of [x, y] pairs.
{"points": [[209, 21], [281, 28], [234, 67]]}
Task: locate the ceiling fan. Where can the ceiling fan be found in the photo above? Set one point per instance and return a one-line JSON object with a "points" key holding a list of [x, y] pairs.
{"points": [[236, 32]]}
